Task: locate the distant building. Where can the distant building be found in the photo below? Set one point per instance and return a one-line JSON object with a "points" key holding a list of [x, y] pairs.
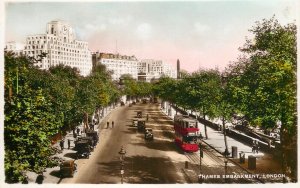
{"points": [[149, 69], [61, 47], [118, 64], [14, 47]]}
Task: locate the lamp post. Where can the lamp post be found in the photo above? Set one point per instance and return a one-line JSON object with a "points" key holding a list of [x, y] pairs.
{"points": [[225, 161], [122, 153], [200, 162]]}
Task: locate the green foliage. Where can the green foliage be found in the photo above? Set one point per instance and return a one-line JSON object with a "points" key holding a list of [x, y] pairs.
{"points": [[29, 123], [263, 84], [40, 104]]}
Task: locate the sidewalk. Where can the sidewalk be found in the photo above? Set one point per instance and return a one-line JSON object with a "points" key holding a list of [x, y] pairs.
{"points": [[265, 163], [51, 175]]}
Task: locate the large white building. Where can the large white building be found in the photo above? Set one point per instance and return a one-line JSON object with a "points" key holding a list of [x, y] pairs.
{"points": [[15, 47], [118, 64], [153, 69], [61, 47]]}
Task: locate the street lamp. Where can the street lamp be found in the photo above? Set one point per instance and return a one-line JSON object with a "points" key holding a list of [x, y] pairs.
{"points": [[122, 153], [200, 156], [225, 161]]}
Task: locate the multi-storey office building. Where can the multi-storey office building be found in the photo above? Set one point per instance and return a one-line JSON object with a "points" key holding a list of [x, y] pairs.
{"points": [[149, 69], [61, 47], [14, 47], [118, 64]]}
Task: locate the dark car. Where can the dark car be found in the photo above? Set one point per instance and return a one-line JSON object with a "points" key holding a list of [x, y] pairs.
{"points": [[83, 149], [93, 134], [148, 134], [90, 140], [141, 125], [68, 168], [139, 114]]}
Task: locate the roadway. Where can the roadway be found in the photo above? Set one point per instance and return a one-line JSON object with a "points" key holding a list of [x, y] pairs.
{"points": [[146, 162]]}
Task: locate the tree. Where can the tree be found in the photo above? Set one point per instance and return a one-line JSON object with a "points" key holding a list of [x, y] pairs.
{"points": [[264, 84], [201, 91], [29, 122]]}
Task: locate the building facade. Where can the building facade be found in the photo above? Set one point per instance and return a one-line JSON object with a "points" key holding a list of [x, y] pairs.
{"points": [[149, 69], [61, 47], [16, 48], [118, 64]]}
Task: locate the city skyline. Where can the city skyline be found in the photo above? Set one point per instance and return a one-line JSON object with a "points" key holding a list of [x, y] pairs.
{"points": [[201, 34]]}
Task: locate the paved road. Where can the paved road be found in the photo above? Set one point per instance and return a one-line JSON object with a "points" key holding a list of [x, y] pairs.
{"points": [[145, 161]]}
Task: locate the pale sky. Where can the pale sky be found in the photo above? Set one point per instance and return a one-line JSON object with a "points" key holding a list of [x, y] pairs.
{"points": [[204, 34]]}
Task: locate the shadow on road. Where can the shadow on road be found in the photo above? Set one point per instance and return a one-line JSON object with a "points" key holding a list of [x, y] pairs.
{"points": [[141, 169], [157, 145], [71, 155]]}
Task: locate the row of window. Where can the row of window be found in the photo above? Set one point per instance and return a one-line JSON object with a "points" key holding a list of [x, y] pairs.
{"points": [[37, 40], [106, 61]]}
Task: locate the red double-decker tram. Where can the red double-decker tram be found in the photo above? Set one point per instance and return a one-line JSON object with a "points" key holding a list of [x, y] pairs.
{"points": [[186, 133]]}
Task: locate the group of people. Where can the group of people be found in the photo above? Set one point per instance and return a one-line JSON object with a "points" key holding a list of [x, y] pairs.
{"points": [[62, 144], [112, 124]]}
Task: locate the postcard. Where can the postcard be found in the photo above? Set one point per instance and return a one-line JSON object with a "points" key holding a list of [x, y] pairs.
{"points": [[150, 92]]}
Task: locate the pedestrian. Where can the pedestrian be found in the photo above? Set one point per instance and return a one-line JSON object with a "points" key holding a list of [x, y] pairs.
{"points": [[62, 144], [253, 146], [69, 143], [257, 146], [107, 125], [147, 117], [78, 130], [112, 124]]}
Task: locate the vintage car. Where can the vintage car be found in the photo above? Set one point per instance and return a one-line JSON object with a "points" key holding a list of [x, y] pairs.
{"points": [[141, 125], [83, 149], [94, 135], [148, 134], [68, 168], [145, 101], [89, 139], [139, 114], [134, 122]]}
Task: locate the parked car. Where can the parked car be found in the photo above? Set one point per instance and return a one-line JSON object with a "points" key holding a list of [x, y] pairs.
{"points": [[83, 149], [141, 125], [68, 168], [93, 134], [139, 114], [148, 134], [135, 122]]}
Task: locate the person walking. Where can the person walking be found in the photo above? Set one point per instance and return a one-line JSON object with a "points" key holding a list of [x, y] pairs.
{"points": [[253, 146], [61, 144], [69, 143], [257, 146], [112, 124], [107, 125], [147, 117], [78, 130]]}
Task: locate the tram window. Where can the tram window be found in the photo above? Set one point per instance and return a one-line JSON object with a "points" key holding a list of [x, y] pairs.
{"points": [[189, 139]]}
